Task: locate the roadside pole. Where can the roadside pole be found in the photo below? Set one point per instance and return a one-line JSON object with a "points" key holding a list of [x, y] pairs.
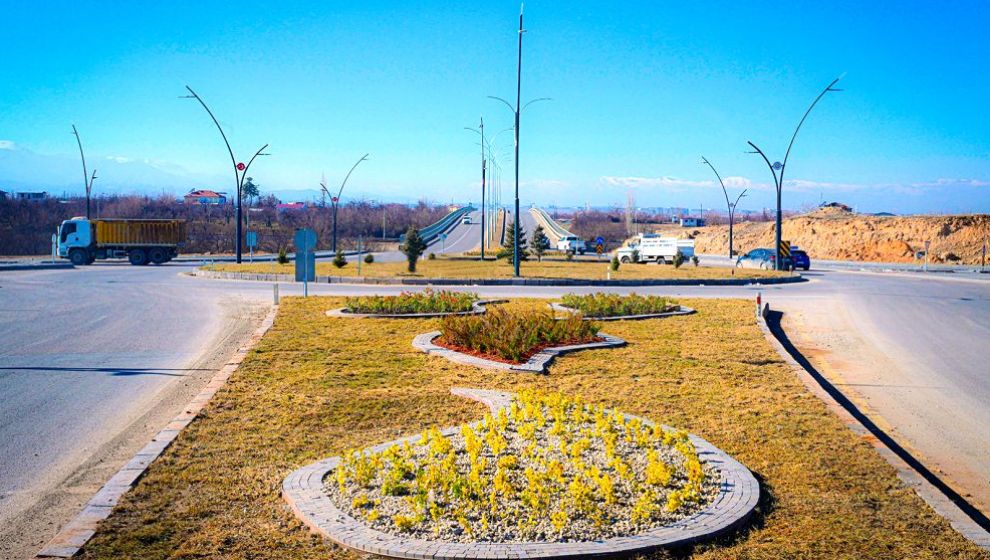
{"points": [[928, 245], [360, 239], [55, 247]]}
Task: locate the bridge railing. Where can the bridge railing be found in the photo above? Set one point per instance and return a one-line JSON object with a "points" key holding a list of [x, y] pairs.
{"points": [[432, 231], [554, 230]]}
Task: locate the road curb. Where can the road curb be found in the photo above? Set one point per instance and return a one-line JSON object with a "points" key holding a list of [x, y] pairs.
{"points": [[77, 532], [35, 266], [394, 281], [936, 498]]}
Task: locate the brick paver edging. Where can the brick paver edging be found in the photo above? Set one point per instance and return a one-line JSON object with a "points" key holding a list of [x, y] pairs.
{"points": [[477, 308], [82, 527], [537, 363], [681, 310], [400, 281], [737, 496]]}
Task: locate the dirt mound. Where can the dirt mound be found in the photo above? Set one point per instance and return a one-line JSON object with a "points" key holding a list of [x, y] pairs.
{"points": [[834, 233]]}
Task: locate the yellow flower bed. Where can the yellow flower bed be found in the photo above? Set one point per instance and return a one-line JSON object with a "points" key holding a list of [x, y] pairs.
{"points": [[547, 468]]}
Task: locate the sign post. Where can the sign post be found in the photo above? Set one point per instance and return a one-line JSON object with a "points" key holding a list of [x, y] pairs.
{"points": [[785, 253], [443, 243], [305, 241], [599, 246], [55, 247], [928, 245], [252, 242]]}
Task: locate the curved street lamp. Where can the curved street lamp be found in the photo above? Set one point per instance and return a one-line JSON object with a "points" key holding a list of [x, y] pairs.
{"points": [[240, 169], [335, 200], [87, 179], [731, 205], [777, 168]]}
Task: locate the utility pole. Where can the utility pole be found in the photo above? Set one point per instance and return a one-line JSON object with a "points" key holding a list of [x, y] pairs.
{"points": [[240, 170], [731, 205], [777, 169], [87, 179]]}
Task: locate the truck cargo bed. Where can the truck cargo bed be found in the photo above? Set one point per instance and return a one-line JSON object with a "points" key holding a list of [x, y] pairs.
{"points": [[139, 232]]}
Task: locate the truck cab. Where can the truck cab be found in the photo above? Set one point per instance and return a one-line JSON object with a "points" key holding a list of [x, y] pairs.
{"points": [[75, 240]]}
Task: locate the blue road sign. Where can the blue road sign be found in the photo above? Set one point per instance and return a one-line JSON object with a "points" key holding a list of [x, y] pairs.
{"points": [[599, 240], [252, 239]]}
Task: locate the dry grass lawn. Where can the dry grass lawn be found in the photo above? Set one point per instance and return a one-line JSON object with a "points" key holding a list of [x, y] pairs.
{"points": [[317, 386], [445, 267]]}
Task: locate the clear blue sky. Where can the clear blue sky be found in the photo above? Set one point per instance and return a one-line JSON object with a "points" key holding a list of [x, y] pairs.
{"points": [[640, 90]]}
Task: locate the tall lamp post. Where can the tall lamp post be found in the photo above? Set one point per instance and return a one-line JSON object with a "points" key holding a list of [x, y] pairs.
{"points": [[240, 169], [731, 205], [87, 178], [777, 169], [335, 200], [481, 130], [516, 110]]}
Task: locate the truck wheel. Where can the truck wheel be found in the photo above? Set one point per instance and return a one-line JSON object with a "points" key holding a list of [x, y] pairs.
{"points": [[137, 257], [78, 257], [157, 255], [624, 260]]}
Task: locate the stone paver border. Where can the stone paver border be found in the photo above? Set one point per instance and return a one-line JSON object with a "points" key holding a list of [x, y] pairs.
{"points": [[681, 310], [477, 308], [738, 495], [537, 363], [75, 534], [400, 281]]}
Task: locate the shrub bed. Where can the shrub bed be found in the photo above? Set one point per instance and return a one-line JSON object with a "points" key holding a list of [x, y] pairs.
{"points": [[614, 305], [427, 301], [547, 468], [513, 336]]}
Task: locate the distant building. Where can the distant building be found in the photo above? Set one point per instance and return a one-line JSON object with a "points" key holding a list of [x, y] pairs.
{"points": [[290, 206], [30, 195], [204, 197], [692, 222]]}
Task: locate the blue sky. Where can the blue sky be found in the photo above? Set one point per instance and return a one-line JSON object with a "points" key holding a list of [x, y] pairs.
{"points": [[640, 91]]}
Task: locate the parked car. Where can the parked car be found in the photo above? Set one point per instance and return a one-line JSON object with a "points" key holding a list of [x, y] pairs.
{"points": [[761, 258], [571, 244], [801, 259]]}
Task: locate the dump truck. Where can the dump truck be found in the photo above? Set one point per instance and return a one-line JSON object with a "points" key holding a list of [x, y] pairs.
{"points": [[82, 241]]}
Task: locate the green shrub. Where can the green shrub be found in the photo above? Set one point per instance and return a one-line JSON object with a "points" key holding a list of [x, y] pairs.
{"points": [[678, 259], [339, 260], [694, 260], [283, 258], [412, 248], [613, 305], [431, 257], [427, 301], [369, 258], [614, 265], [514, 336]]}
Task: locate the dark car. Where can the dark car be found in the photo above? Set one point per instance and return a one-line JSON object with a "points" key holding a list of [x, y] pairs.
{"points": [[801, 259], [761, 258]]}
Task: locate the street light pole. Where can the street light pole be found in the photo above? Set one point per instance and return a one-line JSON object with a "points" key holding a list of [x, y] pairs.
{"points": [[776, 166], [335, 200], [240, 170], [731, 205], [481, 130], [87, 179]]}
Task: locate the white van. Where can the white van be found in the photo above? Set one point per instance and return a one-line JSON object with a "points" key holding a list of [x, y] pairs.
{"points": [[571, 244]]}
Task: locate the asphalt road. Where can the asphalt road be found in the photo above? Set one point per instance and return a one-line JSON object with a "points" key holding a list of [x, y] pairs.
{"points": [[85, 354]]}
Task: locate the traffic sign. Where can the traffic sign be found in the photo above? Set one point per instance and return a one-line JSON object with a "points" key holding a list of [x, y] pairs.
{"points": [[241, 166], [305, 241], [252, 239], [599, 248], [443, 236], [599, 240], [785, 248]]}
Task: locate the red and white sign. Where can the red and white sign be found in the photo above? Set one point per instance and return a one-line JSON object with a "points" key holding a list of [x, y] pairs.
{"points": [[241, 167]]}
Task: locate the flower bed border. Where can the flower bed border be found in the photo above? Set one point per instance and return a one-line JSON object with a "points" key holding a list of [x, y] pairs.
{"points": [[738, 495], [537, 363], [681, 310], [477, 308]]}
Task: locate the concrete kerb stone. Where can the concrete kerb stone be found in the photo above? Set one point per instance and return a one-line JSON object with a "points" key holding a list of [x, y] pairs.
{"points": [[681, 310], [738, 495], [77, 532], [400, 281], [935, 499], [477, 308], [537, 363]]}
